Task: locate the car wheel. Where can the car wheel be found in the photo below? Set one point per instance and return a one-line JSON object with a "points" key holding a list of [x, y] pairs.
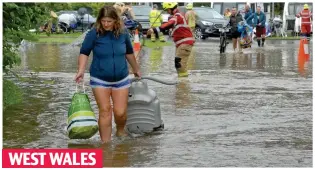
{"points": [[198, 33]]}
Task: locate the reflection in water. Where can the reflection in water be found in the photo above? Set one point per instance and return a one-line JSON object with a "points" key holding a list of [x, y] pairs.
{"points": [[192, 59], [114, 155], [234, 62], [274, 62], [246, 60], [81, 145], [301, 65], [183, 94], [254, 61], [155, 59], [260, 61], [44, 58], [118, 156], [51, 57], [20, 123], [222, 60]]}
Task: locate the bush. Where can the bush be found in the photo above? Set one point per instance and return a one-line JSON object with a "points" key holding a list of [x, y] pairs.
{"points": [[12, 94]]}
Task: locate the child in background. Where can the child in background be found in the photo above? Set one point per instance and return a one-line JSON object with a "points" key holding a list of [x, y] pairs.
{"points": [[246, 34]]}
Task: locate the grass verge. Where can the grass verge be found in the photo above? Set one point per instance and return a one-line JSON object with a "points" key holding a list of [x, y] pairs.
{"points": [[57, 38], [283, 38], [12, 94]]}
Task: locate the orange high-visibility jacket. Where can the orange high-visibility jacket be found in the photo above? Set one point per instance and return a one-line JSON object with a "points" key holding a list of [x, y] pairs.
{"points": [[306, 16]]}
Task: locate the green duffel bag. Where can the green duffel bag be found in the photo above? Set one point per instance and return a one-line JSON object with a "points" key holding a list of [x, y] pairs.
{"points": [[82, 123]]}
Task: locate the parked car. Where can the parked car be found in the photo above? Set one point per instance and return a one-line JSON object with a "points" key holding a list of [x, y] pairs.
{"points": [[208, 22], [142, 15]]}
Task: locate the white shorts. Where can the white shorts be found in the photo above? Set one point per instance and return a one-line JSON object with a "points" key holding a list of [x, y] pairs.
{"points": [[122, 84]]}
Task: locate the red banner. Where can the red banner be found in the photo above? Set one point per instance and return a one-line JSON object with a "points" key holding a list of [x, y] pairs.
{"points": [[52, 158]]}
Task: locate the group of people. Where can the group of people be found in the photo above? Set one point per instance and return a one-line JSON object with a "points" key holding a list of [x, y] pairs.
{"points": [[112, 49], [257, 20], [250, 20]]}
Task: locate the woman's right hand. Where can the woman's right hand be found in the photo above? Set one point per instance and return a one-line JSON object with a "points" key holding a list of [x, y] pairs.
{"points": [[79, 76], [137, 74]]}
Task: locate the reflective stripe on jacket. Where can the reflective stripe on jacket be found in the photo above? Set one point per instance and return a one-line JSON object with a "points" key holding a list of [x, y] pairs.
{"points": [[154, 20], [305, 17], [181, 32]]}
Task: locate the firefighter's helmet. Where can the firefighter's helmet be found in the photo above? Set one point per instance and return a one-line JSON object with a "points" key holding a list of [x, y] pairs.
{"points": [[169, 5], [305, 6], [189, 6]]}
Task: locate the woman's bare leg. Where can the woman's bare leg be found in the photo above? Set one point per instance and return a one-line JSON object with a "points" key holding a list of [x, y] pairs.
{"points": [[102, 97], [120, 101]]}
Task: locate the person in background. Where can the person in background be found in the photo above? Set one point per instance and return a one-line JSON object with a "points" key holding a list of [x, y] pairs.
{"points": [[235, 18], [248, 15], [128, 11], [156, 21], [109, 76], [119, 6], [182, 36], [191, 17], [259, 23], [306, 22], [227, 13]]}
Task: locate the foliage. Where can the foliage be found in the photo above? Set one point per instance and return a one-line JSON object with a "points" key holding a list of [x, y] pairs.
{"points": [[278, 8], [11, 93], [96, 6], [18, 19], [200, 4]]}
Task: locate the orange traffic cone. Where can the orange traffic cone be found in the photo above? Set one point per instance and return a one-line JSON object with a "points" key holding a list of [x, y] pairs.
{"points": [[304, 51], [136, 42], [301, 63]]}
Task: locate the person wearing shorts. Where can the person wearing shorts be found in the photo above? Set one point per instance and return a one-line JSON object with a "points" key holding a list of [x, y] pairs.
{"points": [[235, 18], [109, 73], [259, 23]]}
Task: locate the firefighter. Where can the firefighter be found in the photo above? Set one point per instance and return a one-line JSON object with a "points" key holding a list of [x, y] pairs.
{"points": [[182, 36], [306, 15], [155, 21], [191, 17]]}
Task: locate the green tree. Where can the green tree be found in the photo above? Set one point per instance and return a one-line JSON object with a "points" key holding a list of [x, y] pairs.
{"points": [[95, 6], [18, 19], [279, 8]]}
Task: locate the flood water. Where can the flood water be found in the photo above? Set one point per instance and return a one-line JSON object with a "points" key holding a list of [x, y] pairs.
{"points": [[234, 110]]}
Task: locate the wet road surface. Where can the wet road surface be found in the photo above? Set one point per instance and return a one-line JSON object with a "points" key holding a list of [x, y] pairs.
{"points": [[234, 110]]}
